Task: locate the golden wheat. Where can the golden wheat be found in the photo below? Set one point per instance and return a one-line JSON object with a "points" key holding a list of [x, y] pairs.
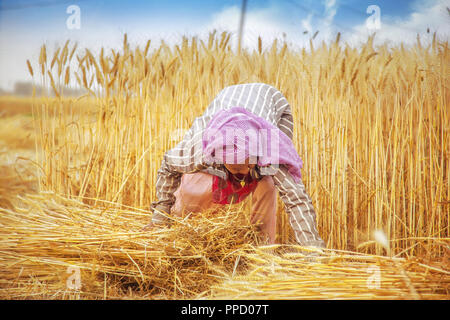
{"points": [[370, 126]]}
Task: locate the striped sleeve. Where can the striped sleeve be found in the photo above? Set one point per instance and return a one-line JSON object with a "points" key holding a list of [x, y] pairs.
{"points": [[186, 157], [283, 114], [167, 183], [299, 208], [286, 123]]}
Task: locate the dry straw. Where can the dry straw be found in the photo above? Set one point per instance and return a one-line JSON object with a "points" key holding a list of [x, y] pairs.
{"points": [[47, 234], [287, 272], [213, 255]]}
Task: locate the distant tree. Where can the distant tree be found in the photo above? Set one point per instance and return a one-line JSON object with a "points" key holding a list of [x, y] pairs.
{"points": [[25, 89]]}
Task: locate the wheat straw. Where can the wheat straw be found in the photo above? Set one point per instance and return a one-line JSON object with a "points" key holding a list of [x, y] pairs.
{"points": [[371, 126]]}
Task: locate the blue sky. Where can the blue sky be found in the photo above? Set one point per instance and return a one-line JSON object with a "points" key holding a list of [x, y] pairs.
{"points": [[26, 24]]}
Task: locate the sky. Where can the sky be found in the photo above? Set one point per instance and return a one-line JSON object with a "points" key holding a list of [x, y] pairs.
{"points": [[27, 24]]}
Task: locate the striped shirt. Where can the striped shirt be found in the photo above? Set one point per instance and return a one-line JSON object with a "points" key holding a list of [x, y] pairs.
{"points": [[266, 102]]}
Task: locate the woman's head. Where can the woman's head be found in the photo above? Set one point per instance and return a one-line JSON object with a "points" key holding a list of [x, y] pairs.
{"points": [[236, 134]]}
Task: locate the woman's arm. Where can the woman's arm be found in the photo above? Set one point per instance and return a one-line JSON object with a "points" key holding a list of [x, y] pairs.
{"points": [[167, 182], [298, 204], [186, 157], [283, 114], [286, 123]]}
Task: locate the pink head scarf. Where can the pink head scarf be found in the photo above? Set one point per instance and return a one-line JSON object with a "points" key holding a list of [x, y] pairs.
{"points": [[234, 135]]}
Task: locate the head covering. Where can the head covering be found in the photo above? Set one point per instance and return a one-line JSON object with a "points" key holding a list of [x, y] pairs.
{"points": [[236, 134]]}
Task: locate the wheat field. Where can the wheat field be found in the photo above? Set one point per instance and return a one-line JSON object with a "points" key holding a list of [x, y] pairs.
{"points": [[371, 125]]}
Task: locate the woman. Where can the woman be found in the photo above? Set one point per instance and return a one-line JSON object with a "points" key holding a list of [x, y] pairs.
{"points": [[241, 145]]}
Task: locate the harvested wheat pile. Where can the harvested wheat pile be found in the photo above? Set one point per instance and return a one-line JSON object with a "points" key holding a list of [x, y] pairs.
{"points": [[38, 243], [289, 272], [213, 255]]}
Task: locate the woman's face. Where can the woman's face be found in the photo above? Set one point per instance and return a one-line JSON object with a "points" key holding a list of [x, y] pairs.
{"points": [[239, 168]]}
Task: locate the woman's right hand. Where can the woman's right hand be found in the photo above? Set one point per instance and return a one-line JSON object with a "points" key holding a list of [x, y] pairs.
{"points": [[152, 225], [148, 227]]}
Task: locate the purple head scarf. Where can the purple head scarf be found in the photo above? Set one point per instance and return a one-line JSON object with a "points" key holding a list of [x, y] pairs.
{"points": [[234, 135]]}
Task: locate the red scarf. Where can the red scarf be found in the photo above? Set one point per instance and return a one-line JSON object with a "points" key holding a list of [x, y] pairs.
{"points": [[232, 190]]}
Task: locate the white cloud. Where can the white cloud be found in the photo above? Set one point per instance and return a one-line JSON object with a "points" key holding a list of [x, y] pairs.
{"points": [[326, 26], [428, 15], [269, 24], [330, 9], [272, 23], [259, 22], [306, 23]]}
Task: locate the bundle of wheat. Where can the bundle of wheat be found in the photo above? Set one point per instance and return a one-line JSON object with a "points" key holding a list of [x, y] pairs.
{"points": [[209, 255], [40, 241], [290, 272]]}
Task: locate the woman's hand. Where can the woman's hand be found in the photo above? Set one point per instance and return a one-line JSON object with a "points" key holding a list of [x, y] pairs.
{"points": [[152, 225], [148, 227]]}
